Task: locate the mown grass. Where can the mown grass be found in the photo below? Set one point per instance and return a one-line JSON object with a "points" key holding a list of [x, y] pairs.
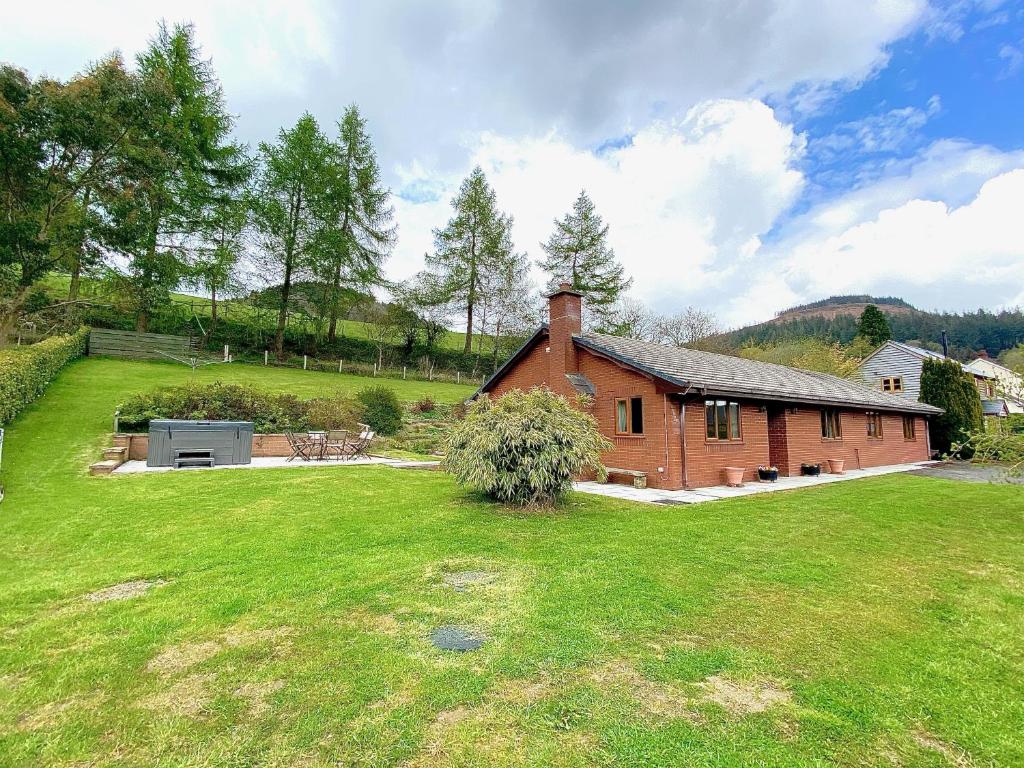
{"points": [[886, 615]]}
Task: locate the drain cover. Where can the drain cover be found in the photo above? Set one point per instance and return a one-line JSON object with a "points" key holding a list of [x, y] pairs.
{"points": [[455, 638]]}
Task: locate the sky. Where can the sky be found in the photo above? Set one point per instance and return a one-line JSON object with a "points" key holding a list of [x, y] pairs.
{"points": [[747, 156]]}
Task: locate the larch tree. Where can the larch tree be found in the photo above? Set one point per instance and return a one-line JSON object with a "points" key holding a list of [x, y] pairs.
{"points": [[286, 201], [357, 208], [578, 253], [215, 264], [474, 246], [175, 160]]}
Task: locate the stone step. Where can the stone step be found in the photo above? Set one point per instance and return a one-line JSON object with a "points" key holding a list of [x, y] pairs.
{"points": [[104, 467], [116, 453]]}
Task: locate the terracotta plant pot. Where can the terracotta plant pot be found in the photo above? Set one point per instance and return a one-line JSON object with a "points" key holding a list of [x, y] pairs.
{"points": [[734, 476], [835, 466]]}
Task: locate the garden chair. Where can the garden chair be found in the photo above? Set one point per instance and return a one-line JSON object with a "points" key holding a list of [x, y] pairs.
{"points": [[300, 446], [337, 444], [357, 446], [317, 445]]}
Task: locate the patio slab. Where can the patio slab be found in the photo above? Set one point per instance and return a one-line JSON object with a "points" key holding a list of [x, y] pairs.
{"points": [[717, 492]]}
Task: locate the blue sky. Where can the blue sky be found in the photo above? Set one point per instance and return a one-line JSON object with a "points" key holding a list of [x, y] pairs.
{"points": [[747, 157]]}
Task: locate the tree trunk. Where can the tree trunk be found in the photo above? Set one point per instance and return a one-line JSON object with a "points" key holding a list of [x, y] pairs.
{"points": [[142, 321], [469, 328], [76, 266], [282, 315], [332, 328], [213, 305]]}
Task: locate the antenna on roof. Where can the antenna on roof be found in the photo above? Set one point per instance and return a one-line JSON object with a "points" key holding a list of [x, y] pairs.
{"points": [[945, 345]]}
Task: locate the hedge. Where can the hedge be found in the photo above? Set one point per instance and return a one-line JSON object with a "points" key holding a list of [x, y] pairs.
{"points": [[26, 372]]}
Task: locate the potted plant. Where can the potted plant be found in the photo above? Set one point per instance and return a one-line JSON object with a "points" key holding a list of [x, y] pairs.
{"points": [[734, 476], [768, 474], [813, 470], [835, 466]]}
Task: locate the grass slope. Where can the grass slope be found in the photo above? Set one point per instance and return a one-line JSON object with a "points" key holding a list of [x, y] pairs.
{"points": [[57, 284], [885, 616]]}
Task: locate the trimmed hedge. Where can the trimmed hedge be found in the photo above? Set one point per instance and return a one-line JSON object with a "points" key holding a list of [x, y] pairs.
{"points": [[26, 372]]}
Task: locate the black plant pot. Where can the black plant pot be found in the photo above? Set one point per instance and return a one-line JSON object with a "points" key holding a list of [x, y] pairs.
{"points": [[810, 469], [770, 475]]}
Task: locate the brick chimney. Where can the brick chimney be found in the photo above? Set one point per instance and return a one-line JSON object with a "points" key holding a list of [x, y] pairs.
{"points": [[565, 319]]}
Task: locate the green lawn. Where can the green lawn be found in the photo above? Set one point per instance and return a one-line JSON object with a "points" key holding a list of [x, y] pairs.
{"points": [[874, 623]]}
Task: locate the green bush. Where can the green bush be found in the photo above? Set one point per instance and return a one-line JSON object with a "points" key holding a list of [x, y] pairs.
{"points": [[270, 412], [524, 448], [27, 371], [381, 409], [1004, 447], [333, 413], [945, 384]]}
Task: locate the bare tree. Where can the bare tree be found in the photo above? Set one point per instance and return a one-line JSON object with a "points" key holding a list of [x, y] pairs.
{"points": [[635, 320], [690, 328]]}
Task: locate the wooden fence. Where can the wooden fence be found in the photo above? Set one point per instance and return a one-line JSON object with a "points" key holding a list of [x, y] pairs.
{"points": [[141, 346]]}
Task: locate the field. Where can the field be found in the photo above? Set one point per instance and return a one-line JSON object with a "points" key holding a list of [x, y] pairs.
{"points": [[239, 310], [283, 617]]}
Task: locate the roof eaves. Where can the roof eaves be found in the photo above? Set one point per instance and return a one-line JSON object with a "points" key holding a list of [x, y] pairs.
{"points": [[629, 362]]}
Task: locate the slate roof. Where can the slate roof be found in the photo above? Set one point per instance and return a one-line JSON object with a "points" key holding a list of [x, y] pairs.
{"points": [[994, 408], [714, 374]]}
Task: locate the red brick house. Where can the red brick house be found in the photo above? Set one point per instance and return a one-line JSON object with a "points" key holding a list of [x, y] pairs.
{"points": [[681, 415]]}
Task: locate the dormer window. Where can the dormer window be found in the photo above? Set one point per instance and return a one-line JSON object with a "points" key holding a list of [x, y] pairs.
{"points": [[892, 384]]}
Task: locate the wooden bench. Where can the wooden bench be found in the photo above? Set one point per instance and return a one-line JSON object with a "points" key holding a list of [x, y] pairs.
{"points": [[639, 478]]}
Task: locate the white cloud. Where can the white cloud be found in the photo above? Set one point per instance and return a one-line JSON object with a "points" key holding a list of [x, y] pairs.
{"points": [[258, 47], [682, 198], [944, 231]]}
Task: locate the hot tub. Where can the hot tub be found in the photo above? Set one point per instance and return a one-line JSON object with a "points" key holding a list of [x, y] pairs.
{"points": [[180, 443]]}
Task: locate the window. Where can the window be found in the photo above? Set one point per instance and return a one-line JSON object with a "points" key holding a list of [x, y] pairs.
{"points": [[831, 424], [722, 420], [629, 416], [874, 424], [892, 384], [909, 427]]}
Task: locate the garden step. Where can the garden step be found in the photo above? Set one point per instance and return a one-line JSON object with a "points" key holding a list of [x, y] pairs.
{"points": [[104, 467], [115, 453]]}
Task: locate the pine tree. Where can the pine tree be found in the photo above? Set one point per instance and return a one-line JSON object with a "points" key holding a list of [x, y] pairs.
{"points": [[945, 384], [472, 248], [358, 207], [578, 254], [874, 326]]}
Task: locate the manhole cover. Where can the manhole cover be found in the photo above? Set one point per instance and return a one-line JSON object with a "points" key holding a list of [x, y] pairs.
{"points": [[455, 638], [461, 580]]}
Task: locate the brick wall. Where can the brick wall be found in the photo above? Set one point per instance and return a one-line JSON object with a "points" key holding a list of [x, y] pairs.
{"points": [[262, 445], [706, 459], [806, 445]]}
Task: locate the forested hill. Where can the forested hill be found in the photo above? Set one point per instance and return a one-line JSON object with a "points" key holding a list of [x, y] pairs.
{"points": [[835, 318]]}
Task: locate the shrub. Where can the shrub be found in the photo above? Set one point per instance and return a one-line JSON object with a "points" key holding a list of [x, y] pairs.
{"points": [[381, 409], [424, 405], [26, 372], [524, 448], [945, 384], [333, 413], [269, 412], [1004, 447]]}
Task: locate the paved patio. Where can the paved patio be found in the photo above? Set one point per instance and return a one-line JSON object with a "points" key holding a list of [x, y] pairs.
{"points": [[700, 495], [271, 462]]}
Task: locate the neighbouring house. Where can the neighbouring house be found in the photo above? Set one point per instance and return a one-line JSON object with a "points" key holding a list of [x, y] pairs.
{"points": [[895, 368], [1009, 385], [679, 416]]}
